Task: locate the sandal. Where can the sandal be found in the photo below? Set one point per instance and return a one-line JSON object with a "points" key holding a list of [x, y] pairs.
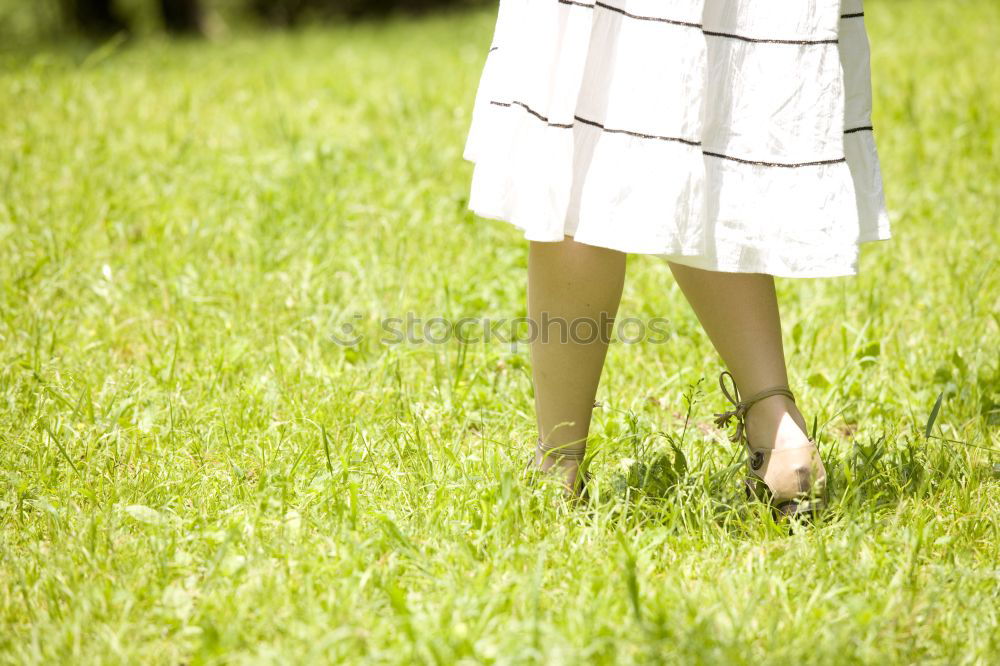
{"points": [[543, 451], [792, 481]]}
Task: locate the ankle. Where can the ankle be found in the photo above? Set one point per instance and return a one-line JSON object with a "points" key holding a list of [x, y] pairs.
{"points": [[776, 423]]}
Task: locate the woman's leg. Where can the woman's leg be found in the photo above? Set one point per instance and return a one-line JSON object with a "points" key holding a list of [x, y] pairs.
{"points": [[567, 282], [739, 311]]}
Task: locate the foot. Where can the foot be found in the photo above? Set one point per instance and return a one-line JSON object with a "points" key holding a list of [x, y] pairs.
{"points": [[780, 455], [565, 467], [566, 470], [783, 456]]}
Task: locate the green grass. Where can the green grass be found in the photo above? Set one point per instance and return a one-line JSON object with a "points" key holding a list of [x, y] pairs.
{"points": [[193, 472]]}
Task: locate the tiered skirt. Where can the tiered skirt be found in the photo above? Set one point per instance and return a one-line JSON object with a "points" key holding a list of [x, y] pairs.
{"points": [[728, 135]]}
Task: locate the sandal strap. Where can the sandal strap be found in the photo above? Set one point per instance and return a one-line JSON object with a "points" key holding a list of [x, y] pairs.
{"points": [[741, 407], [559, 451]]}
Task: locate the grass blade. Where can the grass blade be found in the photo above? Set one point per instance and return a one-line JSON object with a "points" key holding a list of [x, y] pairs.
{"points": [[934, 414]]}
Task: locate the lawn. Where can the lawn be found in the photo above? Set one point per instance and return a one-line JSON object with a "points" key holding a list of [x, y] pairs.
{"points": [[195, 472]]}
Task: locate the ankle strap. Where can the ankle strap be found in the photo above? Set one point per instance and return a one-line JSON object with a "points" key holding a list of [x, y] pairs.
{"points": [[741, 407], [559, 451]]}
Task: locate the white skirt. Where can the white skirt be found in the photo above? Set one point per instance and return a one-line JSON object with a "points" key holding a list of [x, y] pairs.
{"points": [[729, 135]]}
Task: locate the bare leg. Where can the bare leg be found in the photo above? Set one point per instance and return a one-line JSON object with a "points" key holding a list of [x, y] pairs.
{"points": [[570, 281], [739, 311]]}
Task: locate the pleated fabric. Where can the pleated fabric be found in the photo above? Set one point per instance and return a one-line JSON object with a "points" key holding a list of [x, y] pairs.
{"points": [[729, 135]]}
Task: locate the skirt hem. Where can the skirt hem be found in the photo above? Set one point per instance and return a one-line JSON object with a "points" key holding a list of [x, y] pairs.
{"points": [[701, 261]]}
